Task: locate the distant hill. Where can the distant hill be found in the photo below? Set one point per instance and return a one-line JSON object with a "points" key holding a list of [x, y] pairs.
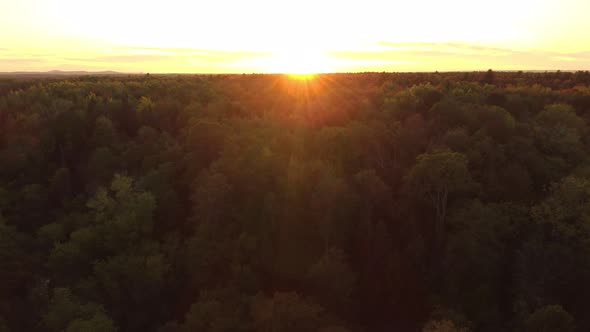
{"points": [[60, 73]]}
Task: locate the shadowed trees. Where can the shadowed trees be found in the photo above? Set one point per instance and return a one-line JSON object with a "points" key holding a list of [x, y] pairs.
{"points": [[351, 202]]}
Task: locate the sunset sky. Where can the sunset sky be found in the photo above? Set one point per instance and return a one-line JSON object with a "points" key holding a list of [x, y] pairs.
{"points": [[237, 36]]}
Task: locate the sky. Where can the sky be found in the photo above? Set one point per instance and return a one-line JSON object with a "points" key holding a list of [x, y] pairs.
{"points": [[297, 36]]}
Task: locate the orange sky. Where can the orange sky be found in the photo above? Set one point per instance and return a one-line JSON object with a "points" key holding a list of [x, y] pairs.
{"points": [[294, 36]]}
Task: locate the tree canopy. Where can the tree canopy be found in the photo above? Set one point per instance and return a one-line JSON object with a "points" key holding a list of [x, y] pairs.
{"points": [[435, 202]]}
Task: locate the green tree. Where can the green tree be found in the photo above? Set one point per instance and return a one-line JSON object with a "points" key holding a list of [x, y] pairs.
{"points": [[333, 277], [120, 218], [559, 131], [497, 122], [212, 198], [553, 262], [481, 237], [551, 318], [67, 312], [435, 176], [285, 312], [489, 77], [443, 326], [60, 186], [17, 263], [97, 323], [218, 311], [3, 327], [132, 280], [104, 132]]}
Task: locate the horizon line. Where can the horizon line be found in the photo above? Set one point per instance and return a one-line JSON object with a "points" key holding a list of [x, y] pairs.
{"points": [[114, 72]]}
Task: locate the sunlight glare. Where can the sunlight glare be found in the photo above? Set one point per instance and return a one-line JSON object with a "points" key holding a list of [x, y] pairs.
{"points": [[302, 76], [300, 63]]}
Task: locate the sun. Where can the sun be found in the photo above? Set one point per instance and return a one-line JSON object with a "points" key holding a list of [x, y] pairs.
{"points": [[302, 76], [299, 63]]}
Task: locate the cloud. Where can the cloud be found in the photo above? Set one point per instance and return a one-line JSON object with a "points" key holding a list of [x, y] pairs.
{"points": [[192, 51], [154, 59], [407, 56], [124, 58], [568, 58], [20, 60], [579, 56], [447, 48], [424, 49], [382, 56], [149, 55], [465, 56]]}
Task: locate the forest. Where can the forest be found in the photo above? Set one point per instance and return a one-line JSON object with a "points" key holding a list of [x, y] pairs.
{"points": [[369, 202]]}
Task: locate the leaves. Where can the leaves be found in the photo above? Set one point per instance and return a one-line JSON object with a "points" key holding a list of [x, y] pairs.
{"points": [[364, 202], [550, 318]]}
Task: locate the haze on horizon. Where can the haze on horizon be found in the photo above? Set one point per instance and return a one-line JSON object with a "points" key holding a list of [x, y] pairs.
{"points": [[229, 36]]}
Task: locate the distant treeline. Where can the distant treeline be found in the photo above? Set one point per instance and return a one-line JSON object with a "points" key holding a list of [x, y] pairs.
{"points": [[433, 202]]}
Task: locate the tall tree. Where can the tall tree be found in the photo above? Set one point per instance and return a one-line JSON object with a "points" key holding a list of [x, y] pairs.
{"points": [[435, 176]]}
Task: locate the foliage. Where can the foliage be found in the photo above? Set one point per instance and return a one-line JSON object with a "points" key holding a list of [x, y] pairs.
{"points": [[442, 326], [550, 318], [348, 202]]}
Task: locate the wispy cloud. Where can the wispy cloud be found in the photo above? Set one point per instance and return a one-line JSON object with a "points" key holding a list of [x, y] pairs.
{"points": [[579, 56], [446, 48], [124, 58], [163, 59], [192, 51], [20, 60], [154, 55], [466, 56], [382, 56]]}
